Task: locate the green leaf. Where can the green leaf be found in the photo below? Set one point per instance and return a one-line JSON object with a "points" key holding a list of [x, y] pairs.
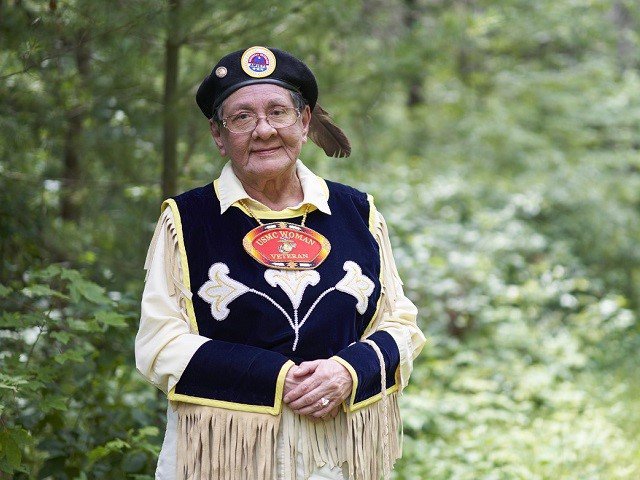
{"points": [[4, 291], [21, 436], [55, 403], [83, 325], [111, 319], [149, 431], [81, 288], [73, 355], [98, 453], [102, 451], [10, 448], [48, 273], [40, 290], [92, 292], [20, 320], [9, 382], [11, 320], [62, 337]]}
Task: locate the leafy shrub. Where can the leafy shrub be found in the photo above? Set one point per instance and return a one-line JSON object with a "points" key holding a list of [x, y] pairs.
{"points": [[72, 407]]}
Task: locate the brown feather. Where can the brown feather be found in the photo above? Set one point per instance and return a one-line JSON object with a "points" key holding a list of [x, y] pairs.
{"points": [[327, 135]]}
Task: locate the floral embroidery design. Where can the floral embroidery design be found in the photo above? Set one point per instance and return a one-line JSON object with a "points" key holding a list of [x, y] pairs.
{"points": [[293, 283], [356, 284], [221, 290]]}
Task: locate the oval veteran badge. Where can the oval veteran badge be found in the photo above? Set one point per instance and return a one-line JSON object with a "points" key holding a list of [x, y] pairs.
{"points": [[286, 246]]}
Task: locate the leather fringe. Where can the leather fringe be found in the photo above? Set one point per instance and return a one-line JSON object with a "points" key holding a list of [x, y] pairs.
{"points": [[218, 444]]}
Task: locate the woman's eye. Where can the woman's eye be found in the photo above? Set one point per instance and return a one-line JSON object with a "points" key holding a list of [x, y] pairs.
{"points": [[277, 112], [242, 116]]}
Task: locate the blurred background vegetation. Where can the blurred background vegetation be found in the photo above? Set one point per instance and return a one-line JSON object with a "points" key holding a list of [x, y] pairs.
{"points": [[500, 138]]}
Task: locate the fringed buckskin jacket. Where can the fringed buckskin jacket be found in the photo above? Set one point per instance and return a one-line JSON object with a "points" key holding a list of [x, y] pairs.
{"points": [[219, 331]]}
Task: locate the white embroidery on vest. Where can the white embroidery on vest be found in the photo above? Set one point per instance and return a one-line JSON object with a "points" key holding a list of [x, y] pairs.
{"points": [[293, 283], [356, 284], [221, 290]]}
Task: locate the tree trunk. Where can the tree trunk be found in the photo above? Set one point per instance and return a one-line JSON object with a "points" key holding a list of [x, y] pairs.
{"points": [[70, 205], [72, 170], [466, 64], [623, 22], [415, 94], [169, 117]]}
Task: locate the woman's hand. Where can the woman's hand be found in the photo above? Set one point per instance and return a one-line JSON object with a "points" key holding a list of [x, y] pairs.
{"points": [[293, 379], [317, 380]]}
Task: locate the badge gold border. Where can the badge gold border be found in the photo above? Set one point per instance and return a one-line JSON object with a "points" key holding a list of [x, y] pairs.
{"points": [[257, 49]]}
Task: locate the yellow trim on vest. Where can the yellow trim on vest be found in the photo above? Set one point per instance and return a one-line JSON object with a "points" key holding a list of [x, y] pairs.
{"points": [[354, 379], [373, 211], [183, 260], [242, 407], [351, 406], [372, 400]]}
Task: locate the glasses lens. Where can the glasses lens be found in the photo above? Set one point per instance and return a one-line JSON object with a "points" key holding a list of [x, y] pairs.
{"points": [[241, 123], [282, 117]]}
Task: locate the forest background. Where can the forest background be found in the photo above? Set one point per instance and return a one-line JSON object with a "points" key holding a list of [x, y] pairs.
{"points": [[500, 139]]}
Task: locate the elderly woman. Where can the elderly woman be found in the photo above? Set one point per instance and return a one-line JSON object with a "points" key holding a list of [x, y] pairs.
{"points": [[272, 315]]}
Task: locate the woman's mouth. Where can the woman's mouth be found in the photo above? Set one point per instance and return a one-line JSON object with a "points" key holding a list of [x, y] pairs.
{"points": [[265, 151]]}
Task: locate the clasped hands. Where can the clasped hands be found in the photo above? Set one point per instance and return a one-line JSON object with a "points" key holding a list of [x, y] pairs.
{"points": [[307, 384]]}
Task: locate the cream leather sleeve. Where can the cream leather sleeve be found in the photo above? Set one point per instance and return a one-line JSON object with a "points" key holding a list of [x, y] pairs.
{"points": [[164, 344], [397, 314]]}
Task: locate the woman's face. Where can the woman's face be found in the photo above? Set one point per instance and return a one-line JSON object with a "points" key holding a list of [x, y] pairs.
{"points": [[264, 153]]}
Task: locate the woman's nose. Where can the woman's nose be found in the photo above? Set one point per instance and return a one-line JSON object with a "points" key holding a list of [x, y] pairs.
{"points": [[263, 129]]}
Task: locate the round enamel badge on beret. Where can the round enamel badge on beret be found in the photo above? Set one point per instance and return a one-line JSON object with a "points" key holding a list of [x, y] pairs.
{"points": [[258, 62]]}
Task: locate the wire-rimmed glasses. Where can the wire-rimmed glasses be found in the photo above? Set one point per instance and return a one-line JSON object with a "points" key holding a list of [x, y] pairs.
{"points": [[245, 122]]}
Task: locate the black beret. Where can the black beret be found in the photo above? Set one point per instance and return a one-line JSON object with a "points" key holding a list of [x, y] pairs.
{"points": [[255, 65]]}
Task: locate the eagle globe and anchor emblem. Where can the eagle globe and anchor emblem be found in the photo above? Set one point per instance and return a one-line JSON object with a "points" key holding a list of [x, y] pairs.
{"points": [[286, 245]]}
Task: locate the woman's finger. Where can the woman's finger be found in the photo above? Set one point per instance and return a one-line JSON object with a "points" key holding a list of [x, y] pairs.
{"points": [[309, 385], [306, 368], [334, 413], [311, 398], [316, 409]]}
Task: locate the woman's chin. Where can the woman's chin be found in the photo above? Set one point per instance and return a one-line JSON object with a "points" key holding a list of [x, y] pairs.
{"points": [[270, 165]]}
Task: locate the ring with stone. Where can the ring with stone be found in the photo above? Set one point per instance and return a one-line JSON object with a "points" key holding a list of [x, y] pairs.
{"points": [[324, 402]]}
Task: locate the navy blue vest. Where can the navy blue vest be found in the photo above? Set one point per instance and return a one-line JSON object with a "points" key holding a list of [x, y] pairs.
{"points": [[252, 318]]}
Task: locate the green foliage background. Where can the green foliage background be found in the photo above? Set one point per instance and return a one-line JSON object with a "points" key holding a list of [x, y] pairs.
{"points": [[499, 138]]}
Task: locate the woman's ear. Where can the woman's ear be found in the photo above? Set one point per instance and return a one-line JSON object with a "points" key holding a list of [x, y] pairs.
{"points": [[306, 118], [217, 136]]}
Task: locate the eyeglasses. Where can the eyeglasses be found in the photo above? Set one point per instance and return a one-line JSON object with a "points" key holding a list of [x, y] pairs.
{"points": [[245, 122]]}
